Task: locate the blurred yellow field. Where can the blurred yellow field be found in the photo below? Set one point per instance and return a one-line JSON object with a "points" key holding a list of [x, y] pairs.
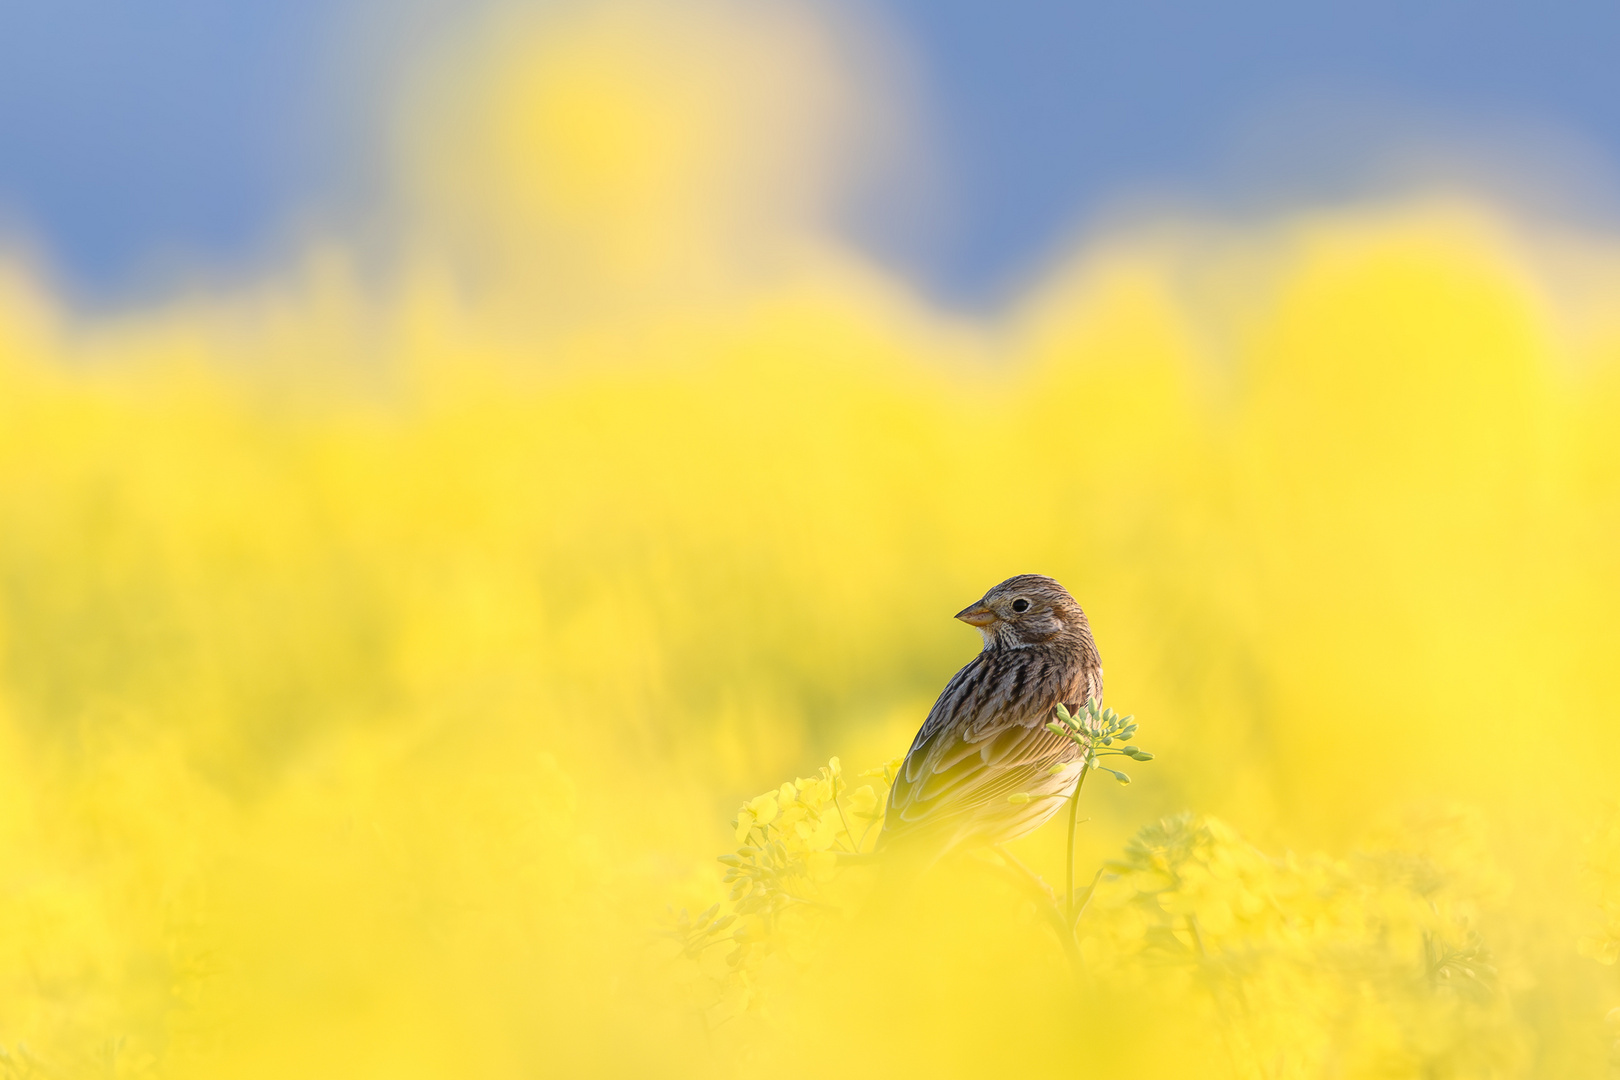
{"points": [[386, 658]]}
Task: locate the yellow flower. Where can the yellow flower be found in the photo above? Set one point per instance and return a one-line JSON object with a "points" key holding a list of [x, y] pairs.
{"points": [[821, 835], [814, 792], [760, 811], [791, 817], [886, 771], [764, 808]]}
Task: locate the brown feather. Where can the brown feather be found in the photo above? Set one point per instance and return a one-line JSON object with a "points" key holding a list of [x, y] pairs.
{"points": [[986, 737]]}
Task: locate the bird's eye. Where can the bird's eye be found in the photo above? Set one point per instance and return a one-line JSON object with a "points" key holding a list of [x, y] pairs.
{"points": [[1020, 605]]}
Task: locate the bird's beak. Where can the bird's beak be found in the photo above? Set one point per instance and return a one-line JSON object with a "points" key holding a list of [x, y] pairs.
{"points": [[976, 615]]}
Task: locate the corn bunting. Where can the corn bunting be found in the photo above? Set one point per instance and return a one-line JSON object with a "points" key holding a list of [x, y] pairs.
{"points": [[986, 737]]}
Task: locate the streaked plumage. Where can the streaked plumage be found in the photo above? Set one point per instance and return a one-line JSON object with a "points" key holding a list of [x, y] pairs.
{"points": [[986, 737]]}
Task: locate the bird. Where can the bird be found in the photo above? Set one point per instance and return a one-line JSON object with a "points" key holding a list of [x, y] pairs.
{"points": [[986, 737]]}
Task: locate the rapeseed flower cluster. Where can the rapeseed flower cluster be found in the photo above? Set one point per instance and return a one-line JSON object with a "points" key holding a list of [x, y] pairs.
{"points": [[1369, 964], [1300, 965], [791, 839]]}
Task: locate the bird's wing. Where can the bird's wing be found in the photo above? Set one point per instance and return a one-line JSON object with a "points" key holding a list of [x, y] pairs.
{"points": [[977, 747]]}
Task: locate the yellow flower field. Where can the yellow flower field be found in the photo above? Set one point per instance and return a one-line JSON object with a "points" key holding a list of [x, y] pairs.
{"points": [[385, 654]]}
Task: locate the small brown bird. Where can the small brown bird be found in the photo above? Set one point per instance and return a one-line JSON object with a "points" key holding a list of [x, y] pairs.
{"points": [[986, 737]]}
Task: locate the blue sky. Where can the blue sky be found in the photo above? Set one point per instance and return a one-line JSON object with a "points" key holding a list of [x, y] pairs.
{"points": [[188, 130]]}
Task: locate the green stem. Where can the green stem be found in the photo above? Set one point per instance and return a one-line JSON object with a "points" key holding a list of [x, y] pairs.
{"points": [[853, 843], [1091, 891], [1074, 814]]}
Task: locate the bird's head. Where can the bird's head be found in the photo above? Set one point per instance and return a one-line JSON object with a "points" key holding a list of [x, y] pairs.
{"points": [[1029, 609]]}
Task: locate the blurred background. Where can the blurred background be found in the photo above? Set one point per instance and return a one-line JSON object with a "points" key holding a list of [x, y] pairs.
{"points": [[452, 455], [188, 137]]}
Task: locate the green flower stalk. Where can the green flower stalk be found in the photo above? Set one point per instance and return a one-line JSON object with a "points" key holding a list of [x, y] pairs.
{"points": [[1094, 730]]}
